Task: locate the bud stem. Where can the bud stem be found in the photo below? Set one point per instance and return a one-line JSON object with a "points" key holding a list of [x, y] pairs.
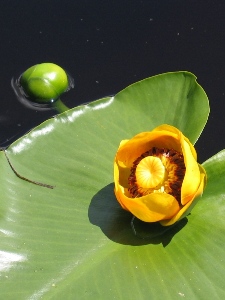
{"points": [[59, 106]]}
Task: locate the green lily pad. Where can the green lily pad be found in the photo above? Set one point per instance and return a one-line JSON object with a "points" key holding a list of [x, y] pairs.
{"points": [[74, 241]]}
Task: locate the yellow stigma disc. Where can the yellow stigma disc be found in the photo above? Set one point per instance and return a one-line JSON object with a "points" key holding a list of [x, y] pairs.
{"points": [[150, 172]]}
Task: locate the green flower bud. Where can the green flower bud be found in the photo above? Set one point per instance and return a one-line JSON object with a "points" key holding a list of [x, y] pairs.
{"points": [[44, 82]]}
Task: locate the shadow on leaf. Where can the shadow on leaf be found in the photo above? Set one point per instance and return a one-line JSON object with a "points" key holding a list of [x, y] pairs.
{"points": [[121, 227]]}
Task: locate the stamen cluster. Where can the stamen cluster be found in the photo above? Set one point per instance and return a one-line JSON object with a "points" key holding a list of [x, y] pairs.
{"points": [[173, 162]]}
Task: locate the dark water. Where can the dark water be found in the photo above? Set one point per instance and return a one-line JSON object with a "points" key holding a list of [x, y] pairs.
{"points": [[107, 45]]}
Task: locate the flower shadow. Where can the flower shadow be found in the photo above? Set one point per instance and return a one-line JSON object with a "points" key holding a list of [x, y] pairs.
{"points": [[121, 227]]}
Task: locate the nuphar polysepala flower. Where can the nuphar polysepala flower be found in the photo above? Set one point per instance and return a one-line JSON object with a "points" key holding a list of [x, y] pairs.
{"points": [[157, 177]]}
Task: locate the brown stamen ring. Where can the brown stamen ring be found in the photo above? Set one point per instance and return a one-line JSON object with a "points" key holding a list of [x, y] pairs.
{"points": [[173, 162]]}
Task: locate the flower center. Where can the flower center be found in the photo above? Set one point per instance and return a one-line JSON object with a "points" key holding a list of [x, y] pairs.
{"points": [[157, 170], [150, 172]]}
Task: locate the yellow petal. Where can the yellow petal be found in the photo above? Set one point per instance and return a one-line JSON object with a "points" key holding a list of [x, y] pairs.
{"points": [[121, 170], [176, 131], [117, 185], [123, 142], [184, 211], [123, 173], [166, 127], [143, 142], [192, 175], [150, 208]]}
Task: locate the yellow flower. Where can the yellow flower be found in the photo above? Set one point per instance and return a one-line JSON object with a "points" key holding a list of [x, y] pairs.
{"points": [[157, 177]]}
